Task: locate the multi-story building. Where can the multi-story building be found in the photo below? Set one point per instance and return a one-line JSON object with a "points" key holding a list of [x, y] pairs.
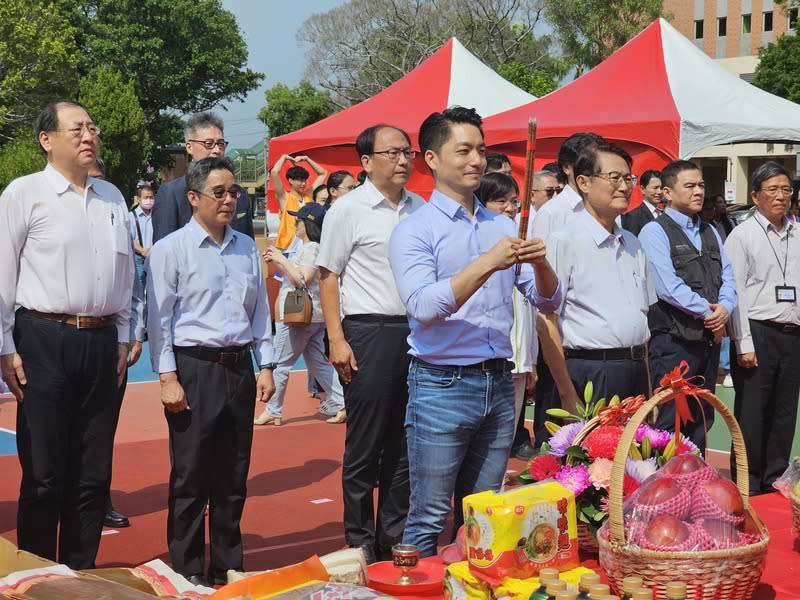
{"points": [[732, 32]]}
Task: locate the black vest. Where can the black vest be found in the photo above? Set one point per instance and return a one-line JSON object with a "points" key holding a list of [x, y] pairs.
{"points": [[702, 271]]}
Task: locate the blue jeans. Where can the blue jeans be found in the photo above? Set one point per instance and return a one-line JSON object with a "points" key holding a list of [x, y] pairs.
{"points": [[289, 343], [460, 426]]}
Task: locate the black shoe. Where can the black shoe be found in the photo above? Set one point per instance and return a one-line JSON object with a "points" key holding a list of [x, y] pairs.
{"points": [[383, 552], [217, 578], [369, 553], [197, 580], [115, 519], [524, 451]]}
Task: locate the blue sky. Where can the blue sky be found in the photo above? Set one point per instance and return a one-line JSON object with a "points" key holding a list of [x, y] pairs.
{"points": [[269, 27]]}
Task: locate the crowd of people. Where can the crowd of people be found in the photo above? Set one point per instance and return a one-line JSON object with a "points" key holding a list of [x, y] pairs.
{"points": [[431, 322]]}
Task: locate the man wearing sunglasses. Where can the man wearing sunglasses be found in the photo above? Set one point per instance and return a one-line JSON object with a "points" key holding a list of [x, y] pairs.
{"points": [[208, 316], [204, 137]]}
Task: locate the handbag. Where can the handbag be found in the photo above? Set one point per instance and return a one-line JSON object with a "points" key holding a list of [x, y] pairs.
{"points": [[298, 307]]}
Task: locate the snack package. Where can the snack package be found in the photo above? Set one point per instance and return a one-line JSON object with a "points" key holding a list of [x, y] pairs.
{"points": [[521, 589], [461, 584], [788, 484], [687, 506], [517, 532], [326, 590]]}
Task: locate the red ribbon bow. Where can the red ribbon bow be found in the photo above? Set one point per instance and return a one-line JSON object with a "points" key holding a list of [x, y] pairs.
{"points": [[682, 387], [620, 414]]}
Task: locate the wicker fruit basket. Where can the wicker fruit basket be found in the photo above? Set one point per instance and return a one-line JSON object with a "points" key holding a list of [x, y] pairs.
{"points": [[795, 500], [731, 574]]}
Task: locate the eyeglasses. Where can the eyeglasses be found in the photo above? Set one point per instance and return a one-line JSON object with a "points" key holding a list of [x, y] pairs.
{"points": [[394, 154], [209, 144], [349, 188], [219, 193], [505, 202], [76, 132], [548, 190], [775, 190], [615, 178]]}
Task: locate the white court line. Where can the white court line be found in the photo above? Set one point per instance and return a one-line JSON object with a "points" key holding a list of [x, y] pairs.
{"points": [[321, 501], [3, 429], [303, 543], [109, 532]]}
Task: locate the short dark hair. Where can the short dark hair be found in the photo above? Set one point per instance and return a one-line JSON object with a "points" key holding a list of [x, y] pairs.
{"points": [[317, 190], [573, 145], [557, 172], [766, 171], [669, 174], [101, 165], [644, 179], [313, 230], [361, 177], [365, 142], [48, 118], [495, 185], [588, 160], [495, 161], [435, 130], [297, 173], [199, 170], [336, 178], [201, 120]]}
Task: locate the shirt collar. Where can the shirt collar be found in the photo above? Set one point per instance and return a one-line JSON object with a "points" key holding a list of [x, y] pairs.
{"points": [[57, 180], [764, 222], [198, 235], [571, 196], [449, 206], [600, 234], [685, 221], [376, 197]]}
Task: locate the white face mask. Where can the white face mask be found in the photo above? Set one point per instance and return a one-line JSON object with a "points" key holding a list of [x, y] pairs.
{"points": [[147, 203]]}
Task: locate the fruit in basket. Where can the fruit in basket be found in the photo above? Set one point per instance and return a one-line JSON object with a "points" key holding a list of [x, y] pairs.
{"points": [[666, 530], [682, 464], [657, 491], [724, 493], [721, 531]]}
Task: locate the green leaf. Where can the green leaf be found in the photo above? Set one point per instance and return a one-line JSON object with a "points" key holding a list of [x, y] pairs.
{"points": [[634, 452], [525, 477], [646, 448], [600, 404], [545, 448], [588, 392], [559, 413], [577, 452]]}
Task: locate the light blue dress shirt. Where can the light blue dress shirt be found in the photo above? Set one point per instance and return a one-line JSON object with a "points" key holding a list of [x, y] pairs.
{"points": [[669, 287], [428, 248], [204, 294], [607, 291]]}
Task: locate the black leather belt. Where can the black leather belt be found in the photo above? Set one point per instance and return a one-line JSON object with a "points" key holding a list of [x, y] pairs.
{"points": [[224, 356], [782, 327], [632, 353], [371, 318], [493, 365]]}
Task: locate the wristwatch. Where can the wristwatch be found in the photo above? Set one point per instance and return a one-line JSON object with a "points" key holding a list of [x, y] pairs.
{"points": [[270, 366]]}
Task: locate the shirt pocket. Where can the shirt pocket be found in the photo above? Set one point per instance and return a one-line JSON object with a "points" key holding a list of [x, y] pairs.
{"points": [[122, 235]]}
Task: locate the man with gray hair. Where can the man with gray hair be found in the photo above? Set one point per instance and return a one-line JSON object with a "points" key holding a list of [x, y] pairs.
{"points": [[208, 311], [765, 326], [203, 137]]}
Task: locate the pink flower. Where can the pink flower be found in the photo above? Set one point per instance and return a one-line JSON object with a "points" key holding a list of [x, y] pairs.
{"points": [[600, 473], [574, 478], [658, 438]]}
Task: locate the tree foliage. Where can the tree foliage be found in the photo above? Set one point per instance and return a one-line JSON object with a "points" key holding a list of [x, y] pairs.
{"points": [[20, 156], [37, 60], [589, 31], [363, 46], [124, 143], [778, 70], [289, 109], [537, 82]]}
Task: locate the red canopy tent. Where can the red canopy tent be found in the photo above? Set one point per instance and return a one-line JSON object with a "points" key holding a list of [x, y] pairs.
{"points": [[452, 75]]}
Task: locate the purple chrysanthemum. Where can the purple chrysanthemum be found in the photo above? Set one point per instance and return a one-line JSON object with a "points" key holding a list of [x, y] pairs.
{"points": [[563, 438], [574, 478], [658, 438]]}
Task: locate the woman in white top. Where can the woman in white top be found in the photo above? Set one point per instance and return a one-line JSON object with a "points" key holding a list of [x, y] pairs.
{"points": [[291, 341]]}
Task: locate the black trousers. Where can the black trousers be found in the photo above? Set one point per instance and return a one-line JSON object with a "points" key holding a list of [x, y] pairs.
{"points": [[375, 444], [65, 435], [666, 353], [209, 451], [766, 402], [545, 397], [623, 378]]}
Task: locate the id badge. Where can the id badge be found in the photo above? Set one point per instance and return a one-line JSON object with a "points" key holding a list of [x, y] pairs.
{"points": [[785, 293]]}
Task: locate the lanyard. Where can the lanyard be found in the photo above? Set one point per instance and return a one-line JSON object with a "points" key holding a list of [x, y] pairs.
{"points": [[785, 256]]}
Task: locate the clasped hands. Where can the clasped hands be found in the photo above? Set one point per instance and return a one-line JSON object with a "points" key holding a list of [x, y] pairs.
{"points": [[511, 250]]}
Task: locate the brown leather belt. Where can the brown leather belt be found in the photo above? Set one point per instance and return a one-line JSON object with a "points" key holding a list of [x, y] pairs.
{"points": [[78, 321]]}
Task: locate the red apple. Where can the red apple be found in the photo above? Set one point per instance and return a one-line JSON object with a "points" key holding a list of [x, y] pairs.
{"points": [[681, 464], [721, 531], [724, 493], [656, 491], [666, 530]]}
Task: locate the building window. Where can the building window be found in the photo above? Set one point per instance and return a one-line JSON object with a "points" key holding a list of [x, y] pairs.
{"points": [[746, 22], [698, 29], [792, 17], [768, 21], [722, 26]]}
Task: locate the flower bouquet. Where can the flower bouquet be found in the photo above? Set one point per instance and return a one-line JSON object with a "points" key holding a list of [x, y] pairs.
{"points": [[580, 453]]}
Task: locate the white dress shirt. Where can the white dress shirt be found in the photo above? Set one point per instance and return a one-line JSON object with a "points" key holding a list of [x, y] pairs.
{"points": [[145, 225], [607, 291], [758, 253], [354, 246], [204, 294], [64, 252], [556, 213]]}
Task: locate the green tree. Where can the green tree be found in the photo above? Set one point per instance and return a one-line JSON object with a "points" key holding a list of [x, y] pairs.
{"points": [[778, 70], [537, 82], [38, 57], [589, 31], [363, 46], [124, 141], [20, 156], [289, 109]]}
